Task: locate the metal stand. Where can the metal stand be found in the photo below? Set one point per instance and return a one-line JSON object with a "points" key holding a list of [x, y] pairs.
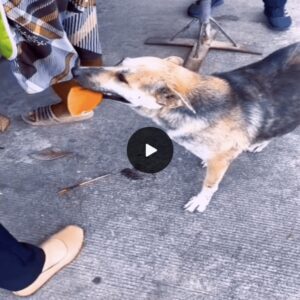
{"points": [[205, 40]]}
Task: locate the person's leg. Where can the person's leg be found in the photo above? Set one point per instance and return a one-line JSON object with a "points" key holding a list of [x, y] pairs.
{"points": [[276, 14], [26, 268], [195, 9], [49, 52], [76, 100], [20, 263], [275, 3]]}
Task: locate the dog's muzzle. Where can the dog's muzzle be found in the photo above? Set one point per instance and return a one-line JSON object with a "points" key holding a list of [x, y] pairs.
{"points": [[84, 76]]}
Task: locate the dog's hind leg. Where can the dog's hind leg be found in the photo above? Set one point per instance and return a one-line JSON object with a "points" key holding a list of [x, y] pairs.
{"points": [[258, 147], [216, 169]]}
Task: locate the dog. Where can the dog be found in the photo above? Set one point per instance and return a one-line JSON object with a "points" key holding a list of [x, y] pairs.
{"points": [[215, 117]]}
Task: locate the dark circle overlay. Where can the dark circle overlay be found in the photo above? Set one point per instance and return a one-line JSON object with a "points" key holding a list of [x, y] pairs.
{"points": [[156, 138]]}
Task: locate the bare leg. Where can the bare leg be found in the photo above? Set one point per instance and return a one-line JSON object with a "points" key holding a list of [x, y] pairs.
{"points": [[62, 90]]}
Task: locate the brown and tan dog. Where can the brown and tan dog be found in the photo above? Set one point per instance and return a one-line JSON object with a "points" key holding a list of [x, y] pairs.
{"points": [[215, 117]]}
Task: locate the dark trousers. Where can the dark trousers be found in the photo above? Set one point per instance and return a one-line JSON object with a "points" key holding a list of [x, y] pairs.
{"points": [[275, 3], [20, 263]]}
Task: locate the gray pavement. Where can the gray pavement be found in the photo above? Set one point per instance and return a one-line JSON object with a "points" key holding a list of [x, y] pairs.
{"points": [[140, 244]]}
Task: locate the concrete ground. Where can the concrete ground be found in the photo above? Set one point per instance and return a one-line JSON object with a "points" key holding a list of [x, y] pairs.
{"points": [[140, 244]]}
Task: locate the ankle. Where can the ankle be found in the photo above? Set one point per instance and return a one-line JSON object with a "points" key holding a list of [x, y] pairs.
{"points": [[60, 109], [275, 12]]}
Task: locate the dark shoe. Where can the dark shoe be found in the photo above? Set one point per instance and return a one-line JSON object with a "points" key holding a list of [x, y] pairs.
{"points": [[194, 9], [278, 18]]}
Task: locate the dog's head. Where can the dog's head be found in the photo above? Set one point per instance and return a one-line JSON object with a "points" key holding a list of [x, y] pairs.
{"points": [[146, 82]]}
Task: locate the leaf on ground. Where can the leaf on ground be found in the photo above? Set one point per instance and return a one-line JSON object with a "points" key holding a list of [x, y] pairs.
{"points": [[4, 123], [49, 154]]}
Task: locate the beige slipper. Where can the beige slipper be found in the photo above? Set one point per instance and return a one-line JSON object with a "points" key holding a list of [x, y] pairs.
{"points": [[60, 250], [44, 116]]}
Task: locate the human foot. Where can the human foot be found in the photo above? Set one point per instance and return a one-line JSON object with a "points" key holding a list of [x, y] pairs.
{"points": [[51, 115], [60, 250], [278, 17]]}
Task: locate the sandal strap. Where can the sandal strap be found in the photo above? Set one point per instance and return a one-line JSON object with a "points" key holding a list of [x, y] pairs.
{"points": [[44, 113], [44, 116]]}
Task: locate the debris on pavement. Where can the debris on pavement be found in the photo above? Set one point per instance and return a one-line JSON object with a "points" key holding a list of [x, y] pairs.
{"points": [[132, 174], [97, 280], [80, 184], [49, 154], [4, 123]]}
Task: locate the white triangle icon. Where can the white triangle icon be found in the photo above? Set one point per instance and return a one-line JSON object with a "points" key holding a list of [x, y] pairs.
{"points": [[150, 150]]}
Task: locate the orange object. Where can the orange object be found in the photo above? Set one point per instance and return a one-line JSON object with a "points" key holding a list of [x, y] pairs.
{"points": [[78, 99], [81, 100]]}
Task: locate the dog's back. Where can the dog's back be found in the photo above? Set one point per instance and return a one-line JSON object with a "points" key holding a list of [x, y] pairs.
{"points": [[270, 89]]}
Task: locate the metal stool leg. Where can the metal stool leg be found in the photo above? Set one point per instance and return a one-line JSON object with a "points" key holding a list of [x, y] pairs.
{"points": [[205, 40]]}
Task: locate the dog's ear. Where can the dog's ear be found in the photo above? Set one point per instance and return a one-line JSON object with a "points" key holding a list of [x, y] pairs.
{"points": [[176, 60], [170, 98]]}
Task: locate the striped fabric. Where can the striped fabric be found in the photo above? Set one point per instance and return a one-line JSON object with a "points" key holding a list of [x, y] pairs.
{"points": [[53, 37]]}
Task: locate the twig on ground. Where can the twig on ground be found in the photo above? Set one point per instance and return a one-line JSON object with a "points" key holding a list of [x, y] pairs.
{"points": [[81, 184]]}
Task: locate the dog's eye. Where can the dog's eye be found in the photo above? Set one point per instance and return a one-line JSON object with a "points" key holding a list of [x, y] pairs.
{"points": [[121, 77]]}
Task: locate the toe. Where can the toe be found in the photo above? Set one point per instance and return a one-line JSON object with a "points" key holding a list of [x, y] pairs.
{"points": [[191, 205], [201, 208]]}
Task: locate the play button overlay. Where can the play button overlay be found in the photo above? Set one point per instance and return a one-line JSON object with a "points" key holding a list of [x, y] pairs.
{"points": [[150, 150]]}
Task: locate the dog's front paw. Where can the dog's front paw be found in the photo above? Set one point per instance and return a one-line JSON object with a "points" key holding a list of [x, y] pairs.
{"points": [[197, 203]]}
